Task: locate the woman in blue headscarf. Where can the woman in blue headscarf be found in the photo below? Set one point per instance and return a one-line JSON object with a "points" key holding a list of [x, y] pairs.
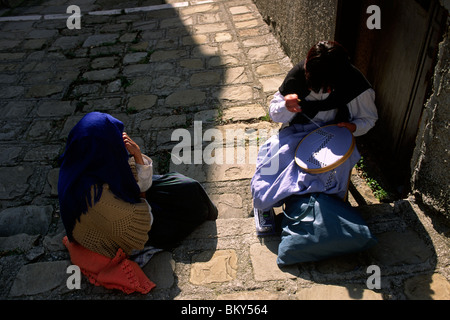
{"points": [[109, 199]]}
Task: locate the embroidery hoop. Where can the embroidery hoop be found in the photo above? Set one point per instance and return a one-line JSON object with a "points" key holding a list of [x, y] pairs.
{"points": [[324, 149]]}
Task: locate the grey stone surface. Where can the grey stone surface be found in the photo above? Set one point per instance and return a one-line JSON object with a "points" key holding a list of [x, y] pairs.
{"points": [[186, 98], [142, 102], [134, 57], [44, 90], [55, 108], [101, 75], [100, 39], [32, 220], [14, 181], [19, 242], [42, 277]]}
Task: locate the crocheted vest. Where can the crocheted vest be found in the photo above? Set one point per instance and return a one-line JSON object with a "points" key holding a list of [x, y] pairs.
{"points": [[112, 224]]}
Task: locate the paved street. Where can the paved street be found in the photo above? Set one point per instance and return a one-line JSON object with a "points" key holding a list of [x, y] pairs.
{"points": [[174, 71]]}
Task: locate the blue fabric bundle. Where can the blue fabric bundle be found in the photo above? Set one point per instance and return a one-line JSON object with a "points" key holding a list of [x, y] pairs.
{"points": [[320, 226]]}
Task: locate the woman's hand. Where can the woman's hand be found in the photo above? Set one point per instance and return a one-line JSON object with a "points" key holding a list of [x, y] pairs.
{"points": [[349, 126], [292, 103], [133, 148]]}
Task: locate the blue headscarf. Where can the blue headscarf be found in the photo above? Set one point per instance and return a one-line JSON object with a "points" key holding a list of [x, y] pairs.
{"points": [[95, 154]]}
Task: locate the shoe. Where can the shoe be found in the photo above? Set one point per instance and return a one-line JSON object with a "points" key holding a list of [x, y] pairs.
{"points": [[265, 222]]}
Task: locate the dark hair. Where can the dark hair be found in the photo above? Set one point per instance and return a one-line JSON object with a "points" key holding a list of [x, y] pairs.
{"points": [[326, 60]]}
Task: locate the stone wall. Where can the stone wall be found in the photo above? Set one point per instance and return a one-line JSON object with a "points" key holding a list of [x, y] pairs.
{"points": [[430, 163], [299, 24]]}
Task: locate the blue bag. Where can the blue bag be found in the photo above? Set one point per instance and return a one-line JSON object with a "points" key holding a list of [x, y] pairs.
{"points": [[320, 226]]}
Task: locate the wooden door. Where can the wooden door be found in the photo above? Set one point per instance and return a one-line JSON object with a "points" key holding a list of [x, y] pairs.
{"points": [[401, 69], [399, 61]]}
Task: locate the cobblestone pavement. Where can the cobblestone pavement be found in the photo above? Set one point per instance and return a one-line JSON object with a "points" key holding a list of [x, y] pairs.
{"points": [[160, 66]]}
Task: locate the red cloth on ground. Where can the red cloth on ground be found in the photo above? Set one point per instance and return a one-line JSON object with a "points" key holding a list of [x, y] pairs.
{"points": [[116, 273]]}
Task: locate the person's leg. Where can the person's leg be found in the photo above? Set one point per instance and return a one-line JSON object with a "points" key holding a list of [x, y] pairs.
{"points": [[179, 205]]}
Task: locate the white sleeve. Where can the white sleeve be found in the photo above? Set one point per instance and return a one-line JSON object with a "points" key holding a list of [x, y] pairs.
{"points": [[145, 174], [149, 211], [363, 112], [278, 111]]}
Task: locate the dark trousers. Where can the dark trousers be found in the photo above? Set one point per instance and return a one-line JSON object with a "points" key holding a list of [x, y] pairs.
{"points": [[179, 205]]}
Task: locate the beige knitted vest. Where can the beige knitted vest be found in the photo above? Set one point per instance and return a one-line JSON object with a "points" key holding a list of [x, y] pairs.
{"points": [[112, 224]]}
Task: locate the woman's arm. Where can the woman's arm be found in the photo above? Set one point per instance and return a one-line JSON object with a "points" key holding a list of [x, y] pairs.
{"points": [[144, 165], [279, 110], [363, 112], [133, 149]]}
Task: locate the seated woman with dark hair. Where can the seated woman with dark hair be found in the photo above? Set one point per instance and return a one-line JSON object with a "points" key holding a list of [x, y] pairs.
{"points": [[111, 204], [324, 89]]}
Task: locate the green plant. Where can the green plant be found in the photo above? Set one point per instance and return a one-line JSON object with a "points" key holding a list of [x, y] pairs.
{"points": [[131, 110], [378, 190], [125, 82], [266, 117]]}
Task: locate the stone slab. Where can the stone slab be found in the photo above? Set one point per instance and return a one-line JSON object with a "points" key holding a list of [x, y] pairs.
{"points": [[43, 153], [55, 109], [101, 75], [251, 296], [8, 92], [133, 58], [236, 75], [45, 90], [332, 292], [213, 267], [164, 122], [32, 220], [103, 63], [214, 173], [41, 277], [185, 98], [142, 102], [205, 79], [235, 93], [20, 242], [228, 205], [164, 55], [265, 268], [9, 155], [14, 181], [271, 85], [100, 39], [244, 113]]}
